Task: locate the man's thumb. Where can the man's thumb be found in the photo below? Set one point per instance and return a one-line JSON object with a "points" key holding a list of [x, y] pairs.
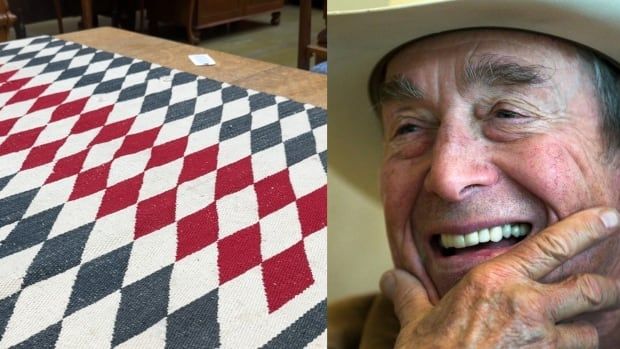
{"points": [[407, 293]]}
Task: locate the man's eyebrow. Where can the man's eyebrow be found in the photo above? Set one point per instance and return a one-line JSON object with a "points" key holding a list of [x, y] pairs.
{"points": [[494, 70], [399, 87]]}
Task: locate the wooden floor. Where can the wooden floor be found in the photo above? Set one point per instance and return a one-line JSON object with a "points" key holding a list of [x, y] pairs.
{"points": [[253, 38]]}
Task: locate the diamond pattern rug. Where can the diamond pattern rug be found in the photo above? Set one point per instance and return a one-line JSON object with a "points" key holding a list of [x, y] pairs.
{"points": [[145, 207]]}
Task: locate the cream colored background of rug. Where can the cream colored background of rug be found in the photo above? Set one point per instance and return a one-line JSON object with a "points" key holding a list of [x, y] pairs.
{"points": [[357, 247]]}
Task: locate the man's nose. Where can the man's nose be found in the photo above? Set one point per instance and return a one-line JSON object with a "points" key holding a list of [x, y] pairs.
{"points": [[460, 165]]}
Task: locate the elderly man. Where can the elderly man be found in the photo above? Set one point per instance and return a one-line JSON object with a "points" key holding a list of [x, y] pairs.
{"points": [[500, 168]]}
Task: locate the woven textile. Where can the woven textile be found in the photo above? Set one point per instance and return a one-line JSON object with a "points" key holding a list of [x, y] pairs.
{"points": [[144, 207]]}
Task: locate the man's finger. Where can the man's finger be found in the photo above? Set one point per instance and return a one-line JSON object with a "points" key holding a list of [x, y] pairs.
{"points": [[408, 295], [538, 255], [580, 294], [576, 336]]}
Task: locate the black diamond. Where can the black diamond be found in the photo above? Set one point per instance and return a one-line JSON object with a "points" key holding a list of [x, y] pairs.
{"points": [[231, 93], [85, 51], [143, 304], [39, 60], [109, 86], [195, 325], [89, 79], [70, 46], [235, 127], [138, 67], [156, 100], [21, 57], [10, 52], [261, 100], [132, 92], [44, 339], [158, 73], [303, 331], [266, 136], [101, 56], [206, 119], [180, 110], [6, 310], [299, 148], [98, 278], [58, 254], [72, 73], [12, 208], [30, 231], [323, 157], [3, 182], [55, 66], [208, 85], [44, 38], [183, 78], [120, 61], [288, 108], [317, 117]]}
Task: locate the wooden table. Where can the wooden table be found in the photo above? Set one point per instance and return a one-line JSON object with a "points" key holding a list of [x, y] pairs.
{"points": [[296, 84]]}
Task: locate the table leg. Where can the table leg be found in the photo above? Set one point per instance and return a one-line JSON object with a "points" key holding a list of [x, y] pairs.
{"points": [[87, 14]]}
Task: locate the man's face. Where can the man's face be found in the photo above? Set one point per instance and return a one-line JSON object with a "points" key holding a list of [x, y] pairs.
{"points": [[489, 129]]}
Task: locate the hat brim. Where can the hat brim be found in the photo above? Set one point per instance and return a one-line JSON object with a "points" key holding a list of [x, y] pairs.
{"points": [[360, 38]]}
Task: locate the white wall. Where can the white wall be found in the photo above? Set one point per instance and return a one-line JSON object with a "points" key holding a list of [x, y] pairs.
{"points": [[357, 247]]}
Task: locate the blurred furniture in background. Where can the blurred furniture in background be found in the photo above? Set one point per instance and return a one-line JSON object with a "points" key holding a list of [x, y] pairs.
{"points": [[199, 14], [306, 48], [6, 20]]}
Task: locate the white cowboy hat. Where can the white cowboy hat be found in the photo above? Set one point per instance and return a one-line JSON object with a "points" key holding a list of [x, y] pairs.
{"points": [[362, 32]]}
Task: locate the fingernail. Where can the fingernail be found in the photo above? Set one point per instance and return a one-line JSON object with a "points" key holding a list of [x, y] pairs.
{"points": [[610, 218], [388, 284]]}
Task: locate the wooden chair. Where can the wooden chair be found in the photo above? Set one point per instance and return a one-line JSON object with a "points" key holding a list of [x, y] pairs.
{"points": [[7, 19], [87, 7], [306, 49]]}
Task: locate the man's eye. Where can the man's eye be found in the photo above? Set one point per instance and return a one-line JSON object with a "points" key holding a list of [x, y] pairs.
{"points": [[408, 128], [507, 114]]}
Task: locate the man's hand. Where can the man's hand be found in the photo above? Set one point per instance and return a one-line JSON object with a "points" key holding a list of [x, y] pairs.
{"points": [[501, 304]]}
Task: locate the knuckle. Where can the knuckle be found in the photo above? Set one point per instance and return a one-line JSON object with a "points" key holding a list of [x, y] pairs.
{"points": [[591, 290], [552, 244]]}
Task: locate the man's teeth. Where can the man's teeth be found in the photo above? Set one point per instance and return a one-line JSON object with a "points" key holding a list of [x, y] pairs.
{"points": [[481, 236]]}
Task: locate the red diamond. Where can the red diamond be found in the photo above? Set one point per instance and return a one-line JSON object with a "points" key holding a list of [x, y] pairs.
{"points": [[238, 253], [6, 126], [7, 75], [155, 213], [113, 131], [70, 109], [20, 141], [199, 164], [312, 210], [92, 119], [137, 142], [273, 193], [90, 181], [68, 166], [167, 152], [42, 154], [120, 196], [28, 93], [13, 85], [286, 275], [49, 101], [197, 231], [233, 177]]}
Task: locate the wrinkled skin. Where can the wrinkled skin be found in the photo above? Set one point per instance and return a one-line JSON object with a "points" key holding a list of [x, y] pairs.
{"points": [[467, 153]]}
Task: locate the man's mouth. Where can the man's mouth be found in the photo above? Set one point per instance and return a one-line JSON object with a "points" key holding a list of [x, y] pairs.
{"points": [[491, 237]]}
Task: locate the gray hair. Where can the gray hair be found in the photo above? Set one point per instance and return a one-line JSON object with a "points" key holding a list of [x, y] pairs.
{"points": [[606, 81]]}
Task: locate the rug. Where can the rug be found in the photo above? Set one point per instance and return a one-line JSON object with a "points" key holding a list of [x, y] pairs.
{"points": [[146, 207]]}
